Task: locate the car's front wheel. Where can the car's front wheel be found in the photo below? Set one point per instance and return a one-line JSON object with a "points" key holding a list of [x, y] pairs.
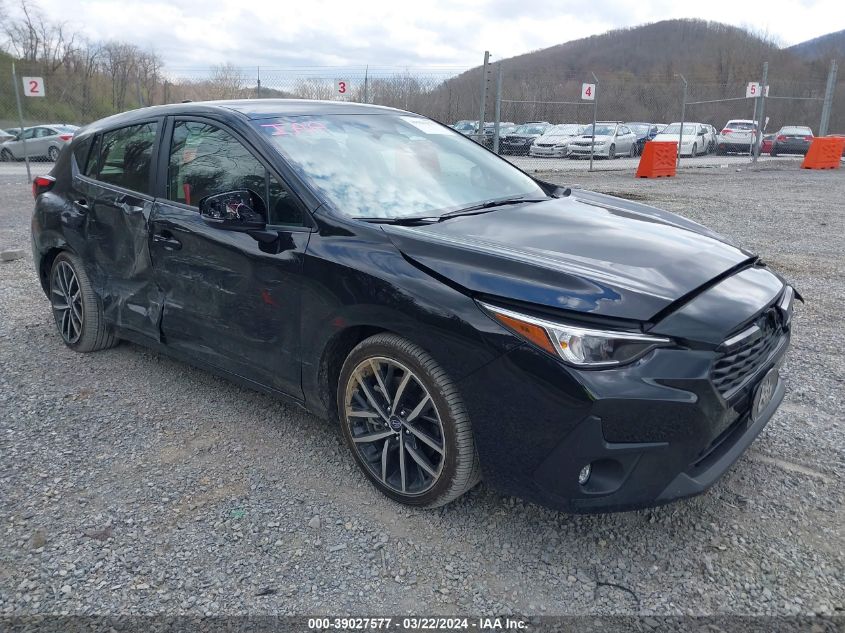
{"points": [[53, 154], [405, 423], [611, 152], [78, 315]]}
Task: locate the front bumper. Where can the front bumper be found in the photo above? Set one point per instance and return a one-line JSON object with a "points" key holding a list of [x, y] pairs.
{"points": [[549, 152], [585, 150], [654, 431]]}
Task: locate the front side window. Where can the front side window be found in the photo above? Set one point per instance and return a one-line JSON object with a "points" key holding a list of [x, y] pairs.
{"points": [[124, 157], [387, 166], [207, 160]]}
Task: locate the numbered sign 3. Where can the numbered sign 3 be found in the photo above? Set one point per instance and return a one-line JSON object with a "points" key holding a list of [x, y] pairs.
{"points": [[588, 92], [342, 87], [33, 86]]}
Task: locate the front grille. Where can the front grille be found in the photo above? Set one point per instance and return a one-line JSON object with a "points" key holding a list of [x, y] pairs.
{"points": [[743, 354]]}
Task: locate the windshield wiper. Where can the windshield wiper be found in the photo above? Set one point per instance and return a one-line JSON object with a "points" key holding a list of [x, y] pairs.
{"points": [[486, 207]]}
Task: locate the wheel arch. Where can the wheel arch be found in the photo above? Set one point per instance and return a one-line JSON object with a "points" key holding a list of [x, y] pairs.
{"points": [[46, 264]]}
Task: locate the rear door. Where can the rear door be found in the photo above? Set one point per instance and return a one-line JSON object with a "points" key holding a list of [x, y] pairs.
{"points": [[113, 190], [229, 300]]}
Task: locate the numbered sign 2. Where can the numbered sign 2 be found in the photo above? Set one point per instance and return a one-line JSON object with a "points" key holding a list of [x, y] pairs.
{"points": [[342, 87], [588, 92], [33, 86]]}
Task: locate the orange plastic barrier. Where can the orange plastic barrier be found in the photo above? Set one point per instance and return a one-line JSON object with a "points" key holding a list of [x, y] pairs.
{"points": [[659, 158], [824, 153]]}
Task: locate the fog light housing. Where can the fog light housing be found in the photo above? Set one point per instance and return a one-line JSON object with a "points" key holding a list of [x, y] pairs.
{"points": [[584, 475]]}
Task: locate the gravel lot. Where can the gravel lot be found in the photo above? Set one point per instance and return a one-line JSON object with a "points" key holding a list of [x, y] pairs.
{"points": [[134, 484]]}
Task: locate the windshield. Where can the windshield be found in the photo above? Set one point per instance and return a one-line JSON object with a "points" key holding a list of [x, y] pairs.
{"points": [[675, 128], [740, 125], [530, 129], [567, 129], [601, 130], [639, 128], [393, 166], [465, 125]]}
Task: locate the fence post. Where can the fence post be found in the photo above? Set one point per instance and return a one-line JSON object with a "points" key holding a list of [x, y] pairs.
{"points": [[367, 84], [20, 118], [480, 134], [595, 116], [828, 99], [683, 117], [258, 82], [166, 91], [755, 151], [498, 110]]}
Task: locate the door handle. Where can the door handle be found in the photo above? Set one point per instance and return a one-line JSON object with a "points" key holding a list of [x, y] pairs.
{"points": [[167, 241]]}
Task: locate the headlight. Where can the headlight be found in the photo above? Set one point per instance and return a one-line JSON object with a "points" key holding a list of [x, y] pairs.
{"points": [[579, 346]]}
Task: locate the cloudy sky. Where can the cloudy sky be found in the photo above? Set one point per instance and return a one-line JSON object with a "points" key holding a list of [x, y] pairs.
{"points": [[191, 34]]}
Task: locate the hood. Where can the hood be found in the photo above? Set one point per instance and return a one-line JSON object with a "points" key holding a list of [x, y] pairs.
{"points": [[555, 138], [587, 252]]}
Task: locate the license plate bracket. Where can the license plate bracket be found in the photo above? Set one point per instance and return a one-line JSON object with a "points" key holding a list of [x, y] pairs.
{"points": [[764, 392]]}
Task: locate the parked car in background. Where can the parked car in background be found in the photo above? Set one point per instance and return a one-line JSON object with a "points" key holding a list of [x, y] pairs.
{"points": [[519, 141], [737, 136], [466, 127], [766, 143], [505, 127], [555, 142], [710, 135], [8, 135], [645, 132], [791, 139], [454, 317], [691, 143], [42, 141], [837, 136], [612, 139]]}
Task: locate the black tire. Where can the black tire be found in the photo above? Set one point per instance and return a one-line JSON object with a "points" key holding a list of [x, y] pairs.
{"points": [[721, 151], [90, 331], [633, 151], [457, 468], [694, 150], [611, 151], [53, 154], [6, 156], [773, 153]]}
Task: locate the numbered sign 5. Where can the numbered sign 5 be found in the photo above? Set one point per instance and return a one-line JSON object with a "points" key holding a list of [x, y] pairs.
{"points": [[342, 86], [588, 92], [33, 86]]}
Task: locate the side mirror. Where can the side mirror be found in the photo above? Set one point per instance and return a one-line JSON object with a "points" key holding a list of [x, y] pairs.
{"points": [[238, 210]]}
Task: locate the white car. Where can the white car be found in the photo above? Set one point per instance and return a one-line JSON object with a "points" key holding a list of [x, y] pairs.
{"points": [[612, 139], [737, 136], [693, 142], [555, 141]]}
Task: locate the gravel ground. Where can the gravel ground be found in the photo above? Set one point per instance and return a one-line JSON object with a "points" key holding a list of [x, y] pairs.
{"points": [[134, 484]]}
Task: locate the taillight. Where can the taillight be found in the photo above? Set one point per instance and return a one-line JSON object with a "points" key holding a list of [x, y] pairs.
{"points": [[65, 137], [726, 131], [42, 184], [808, 138], [781, 137]]}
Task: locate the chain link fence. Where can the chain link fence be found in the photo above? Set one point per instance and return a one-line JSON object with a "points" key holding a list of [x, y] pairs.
{"points": [[543, 127]]}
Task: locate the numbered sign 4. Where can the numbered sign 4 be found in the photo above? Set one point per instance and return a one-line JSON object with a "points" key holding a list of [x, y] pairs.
{"points": [[33, 86], [588, 92]]}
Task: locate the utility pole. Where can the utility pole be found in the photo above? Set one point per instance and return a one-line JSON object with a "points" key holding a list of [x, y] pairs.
{"points": [[20, 118], [480, 135], [683, 116], [595, 116], [828, 99], [755, 151], [498, 112]]}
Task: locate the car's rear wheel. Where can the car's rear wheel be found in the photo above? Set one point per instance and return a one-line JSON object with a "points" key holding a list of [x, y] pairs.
{"points": [[633, 151], [694, 150], [611, 152], [6, 156], [405, 424], [53, 154], [78, 315]]}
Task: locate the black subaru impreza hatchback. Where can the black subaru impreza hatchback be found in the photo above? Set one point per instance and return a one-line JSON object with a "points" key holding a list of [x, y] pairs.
{"points": [[459, 318]]}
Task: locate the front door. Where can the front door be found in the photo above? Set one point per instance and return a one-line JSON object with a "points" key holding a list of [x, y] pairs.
{"points": [[229, 301]]}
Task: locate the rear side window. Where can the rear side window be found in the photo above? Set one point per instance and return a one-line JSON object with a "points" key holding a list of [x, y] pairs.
{"points": [[124, 157], [92, 167], [80, 153]]}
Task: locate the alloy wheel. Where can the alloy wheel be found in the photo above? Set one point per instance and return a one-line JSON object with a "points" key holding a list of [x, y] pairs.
{"points": [[53, 154], [66, 299], [395, 425]]}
